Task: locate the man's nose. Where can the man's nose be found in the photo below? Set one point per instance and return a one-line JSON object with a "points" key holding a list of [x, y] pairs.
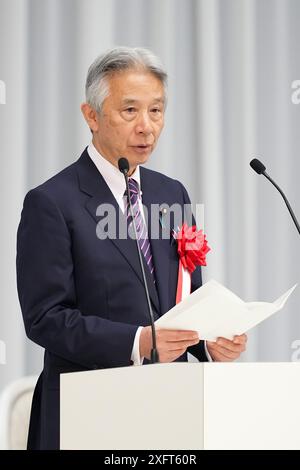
{"points": [[144, 124]]}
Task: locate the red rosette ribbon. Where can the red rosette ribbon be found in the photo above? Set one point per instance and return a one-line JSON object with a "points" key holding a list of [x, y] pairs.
{"points": [[192, 249]]}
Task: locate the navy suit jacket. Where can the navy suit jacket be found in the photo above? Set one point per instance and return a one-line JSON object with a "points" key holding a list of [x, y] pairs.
{"points": [[83, 298]]}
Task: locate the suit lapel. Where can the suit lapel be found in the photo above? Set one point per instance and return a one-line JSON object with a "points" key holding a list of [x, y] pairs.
{"points": [[92, 183]]}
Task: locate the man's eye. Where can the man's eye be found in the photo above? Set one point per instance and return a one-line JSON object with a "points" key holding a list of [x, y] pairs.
{"points": [[130, 110], [155, 110]]}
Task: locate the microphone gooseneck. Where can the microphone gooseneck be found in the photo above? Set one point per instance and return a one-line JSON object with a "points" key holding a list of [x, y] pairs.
{"points": [[260, 168], [124, 168]]}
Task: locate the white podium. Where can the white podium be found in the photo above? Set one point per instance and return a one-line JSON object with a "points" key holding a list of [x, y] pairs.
{"points": [[182, 406]]}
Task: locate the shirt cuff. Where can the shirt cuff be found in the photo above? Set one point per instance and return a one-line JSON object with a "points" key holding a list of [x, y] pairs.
{"points": [[210, 359], [135, 354]]}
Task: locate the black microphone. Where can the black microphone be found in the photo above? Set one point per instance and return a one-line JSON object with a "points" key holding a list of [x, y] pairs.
{"points": [[260, 168], [124, 168]]}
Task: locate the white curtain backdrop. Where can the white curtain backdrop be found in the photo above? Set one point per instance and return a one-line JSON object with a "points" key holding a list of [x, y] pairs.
{"points": [[231, 65]]}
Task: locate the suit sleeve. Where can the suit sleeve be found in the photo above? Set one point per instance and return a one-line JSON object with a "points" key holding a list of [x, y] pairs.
{"points": [[47, 294], [196, 279]]}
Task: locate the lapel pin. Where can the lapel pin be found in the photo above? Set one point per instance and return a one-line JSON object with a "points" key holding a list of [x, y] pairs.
{"points": [[163, 211]]}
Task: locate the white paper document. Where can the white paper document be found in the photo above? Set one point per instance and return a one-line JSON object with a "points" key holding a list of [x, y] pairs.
{"points": [[214, 311]]}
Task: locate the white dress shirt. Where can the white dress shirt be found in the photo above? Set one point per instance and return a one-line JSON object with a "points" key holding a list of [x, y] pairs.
{"points": [[116, 183]]}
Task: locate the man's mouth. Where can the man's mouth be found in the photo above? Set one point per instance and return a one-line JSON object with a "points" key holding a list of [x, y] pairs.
{"points": [[142, 148]]}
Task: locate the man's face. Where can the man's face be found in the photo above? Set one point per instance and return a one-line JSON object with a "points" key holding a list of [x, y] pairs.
{"points": [[132, 117]]}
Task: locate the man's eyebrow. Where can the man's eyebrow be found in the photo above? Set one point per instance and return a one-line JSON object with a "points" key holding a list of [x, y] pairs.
{"points": [[128, 101], [161, 99]]}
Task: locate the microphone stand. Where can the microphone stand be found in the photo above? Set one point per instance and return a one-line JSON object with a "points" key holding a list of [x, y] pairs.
{"points": [[260, 169], [154, 352], [285, 200]]}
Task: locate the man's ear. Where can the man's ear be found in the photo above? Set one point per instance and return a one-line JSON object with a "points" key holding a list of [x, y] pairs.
{"points": [[90, 115]]}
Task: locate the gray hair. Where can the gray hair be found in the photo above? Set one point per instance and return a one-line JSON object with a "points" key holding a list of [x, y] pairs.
{"points": [[113, 61]]}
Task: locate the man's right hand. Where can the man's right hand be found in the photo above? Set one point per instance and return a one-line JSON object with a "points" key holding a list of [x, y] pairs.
{"points": [[170, 343]]}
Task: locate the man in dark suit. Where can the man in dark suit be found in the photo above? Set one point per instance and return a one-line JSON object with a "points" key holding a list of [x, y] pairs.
{"points": [[82, 294]]}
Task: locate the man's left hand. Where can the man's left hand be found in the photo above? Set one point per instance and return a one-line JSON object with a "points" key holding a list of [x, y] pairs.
{"points": [[224, 350]]}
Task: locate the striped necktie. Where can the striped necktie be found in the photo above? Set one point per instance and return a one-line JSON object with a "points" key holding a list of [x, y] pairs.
{"points": [[141, 228]]}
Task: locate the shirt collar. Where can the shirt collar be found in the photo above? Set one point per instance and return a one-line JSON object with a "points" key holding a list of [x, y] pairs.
{"points": [[111, 174]]}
